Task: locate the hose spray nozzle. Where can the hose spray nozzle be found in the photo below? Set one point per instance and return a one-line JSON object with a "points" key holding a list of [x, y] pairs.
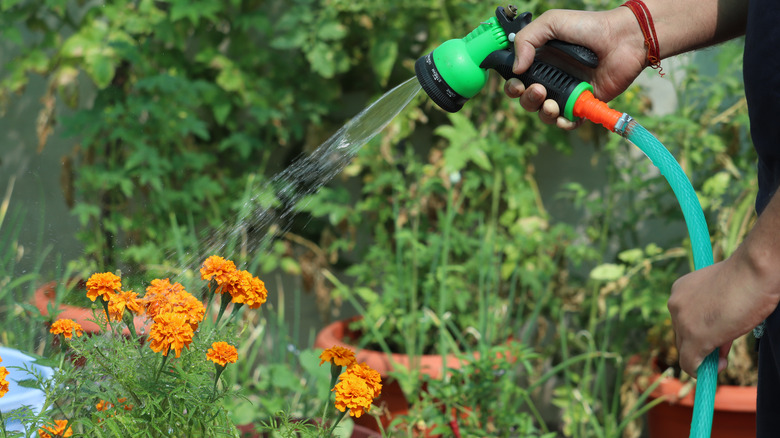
{"points": [[457, 70]]}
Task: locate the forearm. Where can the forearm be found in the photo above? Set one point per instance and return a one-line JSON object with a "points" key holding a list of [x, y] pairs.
{"points": [[683, 26], [760, 251]]}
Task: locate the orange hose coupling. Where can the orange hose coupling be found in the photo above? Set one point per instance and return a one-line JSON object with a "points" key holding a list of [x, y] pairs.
{"points": [[588, 107]]}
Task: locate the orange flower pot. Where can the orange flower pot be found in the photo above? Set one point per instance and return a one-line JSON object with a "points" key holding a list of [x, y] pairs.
{"points": [[735, 411]]}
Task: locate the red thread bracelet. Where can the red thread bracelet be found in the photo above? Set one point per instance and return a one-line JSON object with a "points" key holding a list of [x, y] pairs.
{"points": [[642, 13]]}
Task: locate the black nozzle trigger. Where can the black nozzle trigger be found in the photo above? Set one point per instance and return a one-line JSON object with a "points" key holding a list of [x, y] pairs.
{"points": [[581, 54], [559, 84]]}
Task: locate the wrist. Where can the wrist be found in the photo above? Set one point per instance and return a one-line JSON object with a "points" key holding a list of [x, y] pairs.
{"points": [[757, 262], [647, 25], [627, 30]]}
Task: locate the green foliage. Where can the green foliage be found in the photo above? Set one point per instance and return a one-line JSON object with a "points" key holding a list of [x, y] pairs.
{"points": [[19, 326], [477, 399]]}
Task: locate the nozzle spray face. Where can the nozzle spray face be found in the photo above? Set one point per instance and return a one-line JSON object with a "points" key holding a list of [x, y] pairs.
{"points": [[452, 74], [432, 82]]}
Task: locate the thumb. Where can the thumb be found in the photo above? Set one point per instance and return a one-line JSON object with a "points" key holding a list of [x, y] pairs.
{"points": [[533, 36]]}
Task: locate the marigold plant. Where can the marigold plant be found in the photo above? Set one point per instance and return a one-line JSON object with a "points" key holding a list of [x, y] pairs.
{"points": [[356, 390], [162, 296], [56, 430], [340, 356], [102, 285], [247, 289], [121, 301], [218, 269], [170, 330], [222, 353], [357, 386], [160, 368], [67, 328]]}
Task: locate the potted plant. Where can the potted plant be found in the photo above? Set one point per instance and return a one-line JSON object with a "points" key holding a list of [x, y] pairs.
{"points": [[656, 370], [735, 397], [168, 381]]}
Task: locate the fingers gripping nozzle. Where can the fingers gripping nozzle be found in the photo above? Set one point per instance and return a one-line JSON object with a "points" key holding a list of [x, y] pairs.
{"points": [[458, 69]]}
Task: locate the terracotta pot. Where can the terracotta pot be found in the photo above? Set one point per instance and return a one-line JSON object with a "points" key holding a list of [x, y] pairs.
{"points": [[735, 411], [392, 399], [45, 295]]}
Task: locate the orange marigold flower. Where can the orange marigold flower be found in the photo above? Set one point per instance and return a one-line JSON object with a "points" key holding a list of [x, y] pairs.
{"points": [[118, 302], [159, 296], [3, 382], [127, 407], [247, 289], [100, 285], [340, 356], [170, 330], [162, 296], [222, 353], [103, 406], [354, 392], [217, 268], [55, 430], [369, 375], [66, 327], [190, 306]]}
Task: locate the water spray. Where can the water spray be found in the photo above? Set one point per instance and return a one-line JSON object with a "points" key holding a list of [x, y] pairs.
{"points": [[457, 70]]}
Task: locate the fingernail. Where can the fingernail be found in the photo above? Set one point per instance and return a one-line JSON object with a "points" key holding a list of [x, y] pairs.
{"points": [[536, 96], [722, 364], [515, 65]]}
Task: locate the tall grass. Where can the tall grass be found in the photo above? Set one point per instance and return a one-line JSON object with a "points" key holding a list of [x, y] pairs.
{"points": [[19, 327]]}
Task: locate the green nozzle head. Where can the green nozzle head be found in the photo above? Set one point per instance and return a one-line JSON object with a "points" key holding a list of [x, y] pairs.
{"points": [[451, 74]]}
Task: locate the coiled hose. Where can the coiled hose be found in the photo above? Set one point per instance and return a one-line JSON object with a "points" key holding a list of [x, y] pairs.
{"points": [[593, 109]]}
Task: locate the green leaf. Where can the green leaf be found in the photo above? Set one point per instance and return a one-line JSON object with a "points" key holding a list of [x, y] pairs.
{"points": [[101, 69], [466, 145], [332, 30], [607, 272], [327, 59], [231, 79], [383, 56], [631, 256], [221, 112]]}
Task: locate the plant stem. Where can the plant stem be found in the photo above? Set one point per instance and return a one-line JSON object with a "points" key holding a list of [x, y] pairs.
{"points": [[335, 371], [226, 298], [130, 321], [336, 423], [108, 315], [162, 365], [220, 369]]}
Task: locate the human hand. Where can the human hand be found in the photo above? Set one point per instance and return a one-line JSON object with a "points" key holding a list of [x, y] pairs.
{"points": [[613, 35], [713, 306]]}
